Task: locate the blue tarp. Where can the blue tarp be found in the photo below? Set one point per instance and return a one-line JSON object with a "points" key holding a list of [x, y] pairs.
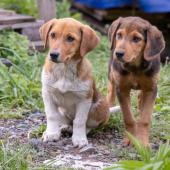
{"points": [[105, 4], [155, 5], [151, 6]]}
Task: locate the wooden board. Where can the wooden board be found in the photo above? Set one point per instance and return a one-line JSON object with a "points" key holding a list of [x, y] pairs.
{"points": [[23, 24], [46, 9], [37, 23], [31, 31], [38, 45], [6, 12], [16, 18]]}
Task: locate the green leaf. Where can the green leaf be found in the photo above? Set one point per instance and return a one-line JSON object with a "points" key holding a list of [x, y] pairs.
{"points": [[144, 152]]}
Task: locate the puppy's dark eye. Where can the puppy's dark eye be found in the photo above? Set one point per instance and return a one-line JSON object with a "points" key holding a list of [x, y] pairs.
{"points": [[119, 36], [70, 39], [53, 35], [136, 39]]}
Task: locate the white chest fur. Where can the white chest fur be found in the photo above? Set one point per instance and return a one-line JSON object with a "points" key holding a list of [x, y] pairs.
{"points": [[64, 84]]}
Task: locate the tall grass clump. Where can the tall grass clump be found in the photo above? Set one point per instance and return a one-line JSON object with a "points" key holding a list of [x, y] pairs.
{"points": [[19, 84], [13, 159], [148, 160], [28, 7]]}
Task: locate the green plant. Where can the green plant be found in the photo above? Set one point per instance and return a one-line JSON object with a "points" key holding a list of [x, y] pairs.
{"points": [[163, 100], [19, 84], [24, 7], [38, 132], [63, 9], [148, 160], [19, 157], [11, 159]]}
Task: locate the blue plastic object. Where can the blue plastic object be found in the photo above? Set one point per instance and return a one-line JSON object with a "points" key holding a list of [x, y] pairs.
{"points": [[105, 4], [150, 6], [155, 6]]}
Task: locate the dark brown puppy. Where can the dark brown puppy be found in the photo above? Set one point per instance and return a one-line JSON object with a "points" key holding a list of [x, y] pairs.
{"points": [[134, 64]]}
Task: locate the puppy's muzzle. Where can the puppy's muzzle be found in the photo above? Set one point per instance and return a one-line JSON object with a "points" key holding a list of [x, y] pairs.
{"points": [[119, 55], [55, 57]]}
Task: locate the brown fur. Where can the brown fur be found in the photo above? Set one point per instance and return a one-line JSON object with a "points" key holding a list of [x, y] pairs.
{"points": [[75, 50], [54, 34], [141, 43]]}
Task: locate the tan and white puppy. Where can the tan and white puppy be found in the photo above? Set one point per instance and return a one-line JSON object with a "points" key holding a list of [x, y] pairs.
{"points": [[68, 88]]}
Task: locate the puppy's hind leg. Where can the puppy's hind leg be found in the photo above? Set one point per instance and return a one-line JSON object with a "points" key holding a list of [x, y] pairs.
{"points": [[111, 93], [99, 114]]}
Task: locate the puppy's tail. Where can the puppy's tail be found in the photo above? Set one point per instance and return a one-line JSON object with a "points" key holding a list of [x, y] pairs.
{"points": [[114, 109]]}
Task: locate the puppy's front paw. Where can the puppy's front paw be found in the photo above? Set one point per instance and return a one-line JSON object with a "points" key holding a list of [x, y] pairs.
{"points": [[51, 137], [79, 141]]}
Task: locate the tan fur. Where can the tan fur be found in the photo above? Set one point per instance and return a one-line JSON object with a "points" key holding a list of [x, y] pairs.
{"points": [[68, 89], [141, 45], [48, 66]]}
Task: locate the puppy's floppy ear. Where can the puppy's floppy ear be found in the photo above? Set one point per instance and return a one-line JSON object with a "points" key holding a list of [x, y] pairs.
{"points": [[45, 29], [113, 29], [89, 40], [154, 43]]}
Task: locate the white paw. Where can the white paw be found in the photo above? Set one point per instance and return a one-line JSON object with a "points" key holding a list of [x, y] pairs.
{"points": [[79, 141], [66, 128], [51, 137]]}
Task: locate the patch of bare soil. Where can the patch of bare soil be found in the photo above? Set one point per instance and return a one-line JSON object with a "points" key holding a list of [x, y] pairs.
{"points": [[97, 155]]}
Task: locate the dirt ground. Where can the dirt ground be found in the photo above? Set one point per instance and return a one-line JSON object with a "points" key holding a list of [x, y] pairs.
{"points": [[97, 155]]}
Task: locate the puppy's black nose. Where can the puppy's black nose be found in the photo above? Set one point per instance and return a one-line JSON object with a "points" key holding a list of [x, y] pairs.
{"points": [[54, 56], [119, 55]]}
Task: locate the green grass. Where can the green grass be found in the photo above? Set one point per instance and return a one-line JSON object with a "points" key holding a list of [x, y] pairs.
{"points": [[20, 92], [20, 84], [28, 7], [20, 87], [11, 159], [148, 159], [17, 156]]}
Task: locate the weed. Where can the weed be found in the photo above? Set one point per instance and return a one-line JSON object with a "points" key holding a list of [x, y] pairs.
{"points": [[19, 157], [19, 84], [38, 132], [24, 7], [148, 160], [63, 9], [12, 159]]}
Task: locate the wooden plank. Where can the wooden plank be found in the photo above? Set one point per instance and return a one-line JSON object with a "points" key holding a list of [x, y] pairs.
{"points": [[32, 33], [87, 10], [47, 9], [23, 25], [38, 45], [37, 23], [6, 12], [5, 27], [13, 19]]}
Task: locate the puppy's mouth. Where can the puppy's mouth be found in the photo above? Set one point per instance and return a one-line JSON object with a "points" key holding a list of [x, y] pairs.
{"points": [[55, 60], [121, 60], [124, 60]]}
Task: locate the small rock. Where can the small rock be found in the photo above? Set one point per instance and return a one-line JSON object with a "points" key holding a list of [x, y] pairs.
{"points": [[35, 143], [6, 62], [88, 149], [155, 146]]}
